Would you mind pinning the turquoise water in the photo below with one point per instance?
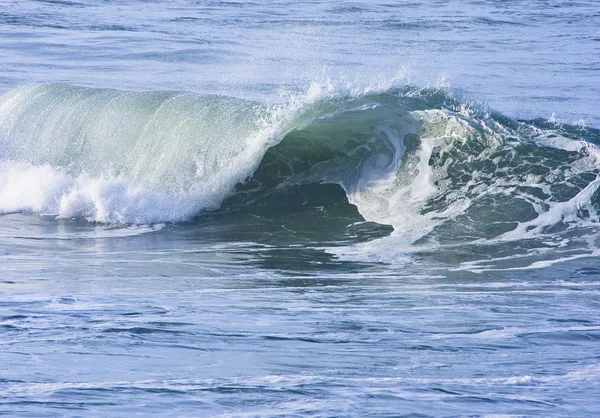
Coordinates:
(299, 209)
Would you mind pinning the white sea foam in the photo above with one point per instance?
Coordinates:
(49, 191)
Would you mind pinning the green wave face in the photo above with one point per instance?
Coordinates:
(167, 141)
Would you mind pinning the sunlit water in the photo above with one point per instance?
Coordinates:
(134, 280)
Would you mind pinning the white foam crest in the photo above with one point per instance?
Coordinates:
(50, 191)
(324, 88)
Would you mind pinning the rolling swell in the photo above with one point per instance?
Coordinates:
(439, 171)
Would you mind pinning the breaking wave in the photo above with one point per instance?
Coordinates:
(439, 171)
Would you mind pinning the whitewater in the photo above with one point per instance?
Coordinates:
(320, 209)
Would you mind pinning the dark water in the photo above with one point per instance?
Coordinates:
(299, 209)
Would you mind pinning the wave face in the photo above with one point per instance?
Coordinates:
(111, 156)
(440, 172)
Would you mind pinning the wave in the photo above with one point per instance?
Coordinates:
(438, 170)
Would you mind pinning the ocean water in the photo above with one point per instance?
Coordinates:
(319, 208)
